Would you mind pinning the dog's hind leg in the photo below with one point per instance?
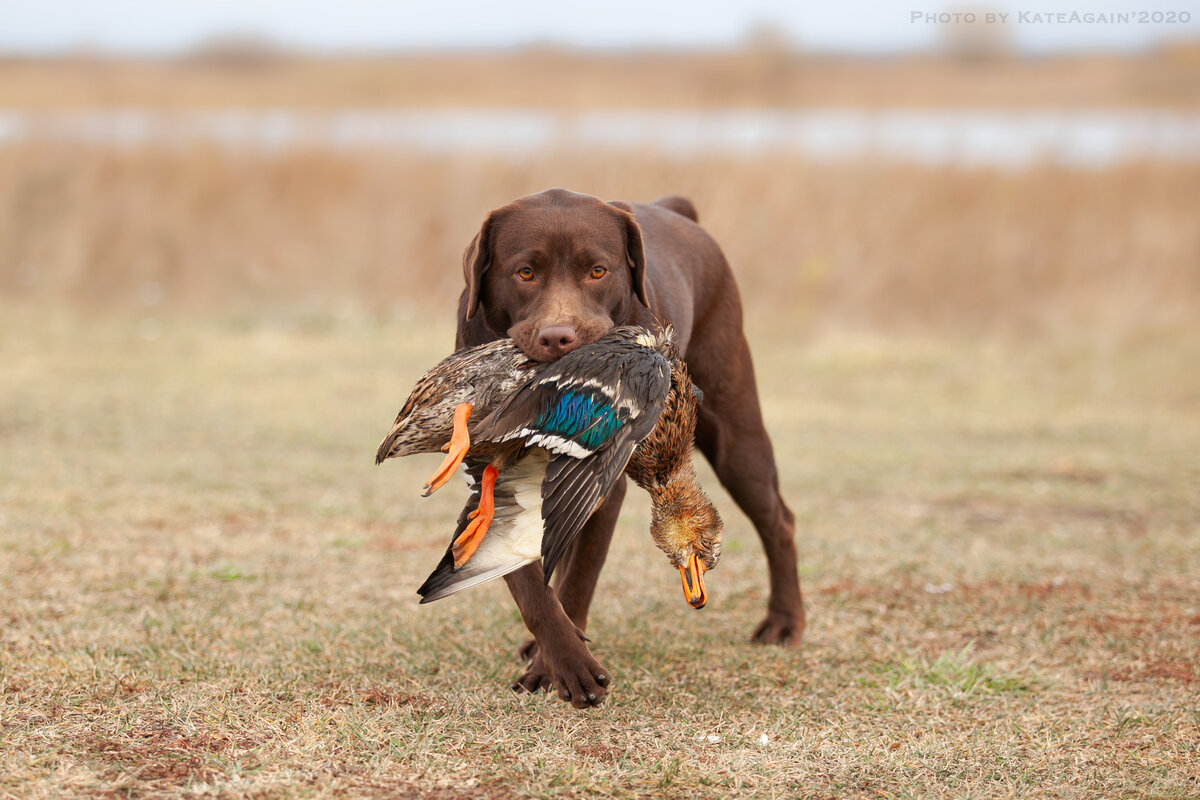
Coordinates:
(731, 435)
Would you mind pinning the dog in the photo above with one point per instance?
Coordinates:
(557, 269)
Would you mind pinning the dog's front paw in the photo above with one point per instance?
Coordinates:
(783, 628)
(579, 678)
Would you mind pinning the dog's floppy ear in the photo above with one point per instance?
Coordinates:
(476, 260)
(633, 250)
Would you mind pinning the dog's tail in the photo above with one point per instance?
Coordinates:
(680, 205)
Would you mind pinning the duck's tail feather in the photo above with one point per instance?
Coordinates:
(514, 538)
(445, 580)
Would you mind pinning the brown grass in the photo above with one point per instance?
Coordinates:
(868, 246)
(570, 80)
(209, 588)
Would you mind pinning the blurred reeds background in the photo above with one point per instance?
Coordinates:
(766, 72)
(867, 245)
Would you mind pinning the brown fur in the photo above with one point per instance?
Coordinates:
(660, 266)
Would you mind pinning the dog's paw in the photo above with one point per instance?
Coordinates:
(535, 679)
(528, 651)
(780, 628)
(579, 679)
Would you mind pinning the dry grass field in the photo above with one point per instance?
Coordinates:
(753, 76)
(209, 588)
(983, 393)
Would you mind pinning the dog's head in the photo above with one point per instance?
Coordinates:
(555, 270)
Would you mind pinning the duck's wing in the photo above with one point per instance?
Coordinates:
(584, 402)
(514, 538)
(589, 409)
(572, 491)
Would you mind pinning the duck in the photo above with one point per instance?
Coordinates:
(548, 442)
(588, 425)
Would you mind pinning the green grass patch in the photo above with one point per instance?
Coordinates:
(955, 672)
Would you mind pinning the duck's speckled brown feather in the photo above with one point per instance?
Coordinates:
(483, 376)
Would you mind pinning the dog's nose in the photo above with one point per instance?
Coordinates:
(557, 340)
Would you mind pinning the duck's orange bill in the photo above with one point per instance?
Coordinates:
(693, 582)
(460, 443)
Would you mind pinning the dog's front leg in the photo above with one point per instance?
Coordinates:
(575, 580)
(562, 657)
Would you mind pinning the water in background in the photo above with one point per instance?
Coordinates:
(1090, 139)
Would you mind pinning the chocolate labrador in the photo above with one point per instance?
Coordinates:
(557, 269)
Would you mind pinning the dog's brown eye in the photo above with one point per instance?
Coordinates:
(599, 271)
(525, 273)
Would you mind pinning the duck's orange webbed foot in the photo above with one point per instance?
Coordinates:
(460, 443)
(481, 519)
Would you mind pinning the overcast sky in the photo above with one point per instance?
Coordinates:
(161, 26)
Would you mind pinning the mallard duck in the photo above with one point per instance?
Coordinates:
(546, 455)
(588, 410)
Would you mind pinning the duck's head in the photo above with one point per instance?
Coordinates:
(687, 527)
